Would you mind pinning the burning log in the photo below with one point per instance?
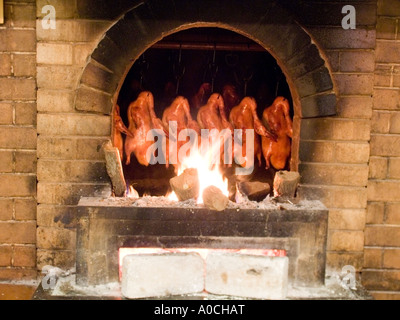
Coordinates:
(114, 168)
(285, 183)
(254, 190)
(186, 186)
(214, 199)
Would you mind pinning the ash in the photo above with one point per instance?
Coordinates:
(332, 290)
(242, 202)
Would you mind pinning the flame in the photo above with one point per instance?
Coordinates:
(172, 196)
(208, 173)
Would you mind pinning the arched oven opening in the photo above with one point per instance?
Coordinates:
(194, 64)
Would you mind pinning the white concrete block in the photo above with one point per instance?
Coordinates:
(158, 275)
(249, 276)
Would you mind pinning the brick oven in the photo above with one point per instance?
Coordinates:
(60, 88)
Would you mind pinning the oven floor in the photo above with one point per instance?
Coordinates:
(66, 289)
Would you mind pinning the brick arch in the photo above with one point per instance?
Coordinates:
(268, 24)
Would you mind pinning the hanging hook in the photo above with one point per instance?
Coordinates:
(213, 68)
(178, 69)
(144, 66)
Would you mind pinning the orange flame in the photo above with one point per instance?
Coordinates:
(208, 173)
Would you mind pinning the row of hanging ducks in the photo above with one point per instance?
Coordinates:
(217, 111)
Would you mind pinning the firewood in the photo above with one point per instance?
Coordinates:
(285, 183)
(114, 169)
(254, 190)
(214, 199)
(186, 186)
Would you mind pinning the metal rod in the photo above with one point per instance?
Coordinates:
(208, 46)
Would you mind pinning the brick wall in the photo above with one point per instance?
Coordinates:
(334, 151)
(18, 141)
(351, 161)
(381, 273)
(334, 155)
(70, 161)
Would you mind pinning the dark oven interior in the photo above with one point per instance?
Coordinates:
(180, 64)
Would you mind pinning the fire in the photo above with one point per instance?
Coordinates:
(209, 173)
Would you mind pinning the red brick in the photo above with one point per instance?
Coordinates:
(6, 113)
(65, 258)
(17, 185)
(389, 8)
(335, 196)
(55, 100)
(58, 77)
(24, 256)
(25, 113)
(395, 123)
(6, 161)
(375, 212)
(56, 216)
(378, 167)
(347, 219)
(352, 152)
(357, 61)
(382, 236)
(25, 209)
(24, 15)
(373, 258)
(396, 76)
(14, 40)
(387, 99)
(18, 138)
(328, 174)
(394, 168)
(74, 124)
(5, 64)
(5, 255)
(64, 8)
(385, 145)
(73, 30)
(25, 161)
(56, 238)
(70, 148)
(69, 194)
(17, 89)
(391, 258)
(339, 240)
(337, 260)
(18, 232)
(18, 274)
(393, 213)
(24, 65)
(384, 190)
(54, 53)
(338, 38)
(386, 28)
(383, 75)
(380, 122)
(354, 84)
(381, 280)
(387, 51)
(71, 171)
(385, 295)
(6, 209)
(359, 107)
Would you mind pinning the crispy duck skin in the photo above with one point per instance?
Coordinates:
(244, 116)
(277, 118)
(142, 118)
